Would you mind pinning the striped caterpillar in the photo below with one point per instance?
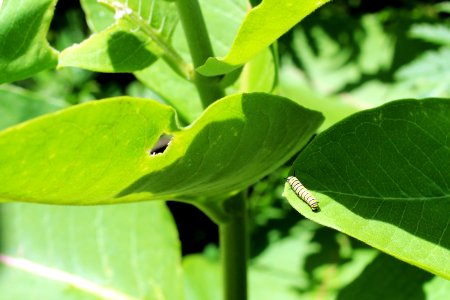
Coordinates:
(303, 193)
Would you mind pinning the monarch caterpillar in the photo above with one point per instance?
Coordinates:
(302, 192)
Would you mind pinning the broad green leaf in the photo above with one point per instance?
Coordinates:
(99, 152)
(262, 26)
(383, 177)
(18, 105)
(24, 49)
(99, 252)
(139, 35)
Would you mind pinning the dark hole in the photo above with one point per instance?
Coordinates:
(161, 144)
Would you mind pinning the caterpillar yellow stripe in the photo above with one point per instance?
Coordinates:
(302, 192)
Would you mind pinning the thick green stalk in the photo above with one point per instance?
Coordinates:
(234, 247)
(200, 48)
(231, 218)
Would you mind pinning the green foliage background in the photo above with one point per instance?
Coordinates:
(339, 60)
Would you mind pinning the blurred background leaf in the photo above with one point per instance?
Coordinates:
(311, 262)
(106, 252)
(364, 55)
(18, 105)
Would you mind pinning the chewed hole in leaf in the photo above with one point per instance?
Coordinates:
(161, 144)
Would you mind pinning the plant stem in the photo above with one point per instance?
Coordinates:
(232, 222)
(234, 245)
(200, 48)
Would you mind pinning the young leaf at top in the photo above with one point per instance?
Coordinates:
(24, 49)
(137, 36)
(382, 176)
(262, 26)
(100, 152)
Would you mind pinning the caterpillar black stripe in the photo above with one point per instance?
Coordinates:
(302, 192)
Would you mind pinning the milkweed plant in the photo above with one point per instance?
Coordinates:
(83, 186)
